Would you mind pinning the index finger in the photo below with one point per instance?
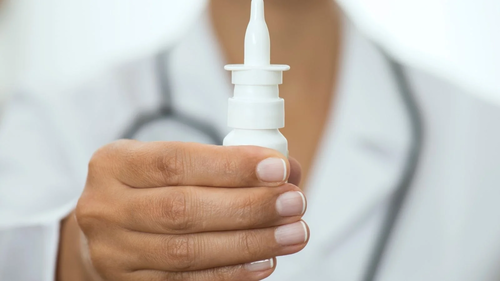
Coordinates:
(158, 164)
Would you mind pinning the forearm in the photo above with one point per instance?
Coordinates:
(73, 263)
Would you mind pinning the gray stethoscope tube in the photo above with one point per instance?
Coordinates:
(167, 111)
(404, 183)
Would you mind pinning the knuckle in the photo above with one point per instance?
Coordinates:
(251, 244)
(244, 170)
(223, 274)
(180, 252)
(175, 210)
(85, 216)
(228, 166)
(102, 159)
(246, 210)
(229, 273)
(105, 152)
(100, 261)
(98, 159)
(92, 213)
(171, 164)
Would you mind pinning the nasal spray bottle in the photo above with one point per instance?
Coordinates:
(256, 112)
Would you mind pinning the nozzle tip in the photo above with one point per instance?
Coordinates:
(257, 42)
(257, 11)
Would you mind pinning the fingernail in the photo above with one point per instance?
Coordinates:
(272, 170)
(260, 265)
(291, 204)
(291, 234)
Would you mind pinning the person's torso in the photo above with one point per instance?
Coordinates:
(447, 227)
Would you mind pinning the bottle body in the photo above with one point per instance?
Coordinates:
(271, 138)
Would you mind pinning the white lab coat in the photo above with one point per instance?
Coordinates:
(448, 228)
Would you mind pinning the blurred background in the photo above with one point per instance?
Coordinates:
(56, 42)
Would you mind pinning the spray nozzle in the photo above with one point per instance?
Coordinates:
(257, 69)
(256, 111)
(257, 41)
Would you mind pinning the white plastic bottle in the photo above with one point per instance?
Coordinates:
(256, 112)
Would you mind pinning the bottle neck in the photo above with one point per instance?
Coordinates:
(256, 92)
(262, 131)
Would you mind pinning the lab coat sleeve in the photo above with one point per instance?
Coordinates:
(29, 253)
(46, 141)
(33, 165)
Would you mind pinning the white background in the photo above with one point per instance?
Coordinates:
(49, 42)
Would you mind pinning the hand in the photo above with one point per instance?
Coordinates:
(179, 211)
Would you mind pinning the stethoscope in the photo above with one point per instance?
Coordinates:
(183, 122)
(197, 129)
(413, 158)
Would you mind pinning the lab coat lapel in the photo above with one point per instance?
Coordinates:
(363, 152)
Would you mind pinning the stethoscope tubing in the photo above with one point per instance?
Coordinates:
(167, 110)
(413, 159)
